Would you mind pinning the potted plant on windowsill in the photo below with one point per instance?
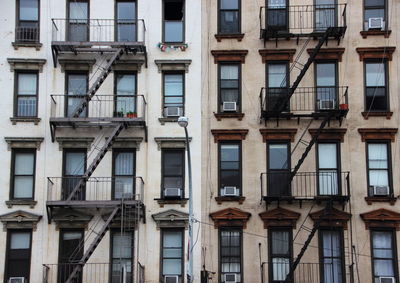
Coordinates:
(343, 106)
(131, 114)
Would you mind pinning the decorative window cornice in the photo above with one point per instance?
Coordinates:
(230, 217)
(278, 134)
(378, 134)
(72, 142)
(26, 64)
(129, 64)
(76, 64)
(376, 52)
(328, 53)
(329, 134)
(127, 142)
(171, 218)
(276, 55)
(331, 217)
(229, 135)
(381, 218)
(171, 142)
(173, 65)
(229, 55)
(279, 217)
(71, 219)
(25, 142)
(20, 220)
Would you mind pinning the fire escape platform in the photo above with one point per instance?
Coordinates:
(338, 114)
(96, 122)
(272, 33)
(318, 199)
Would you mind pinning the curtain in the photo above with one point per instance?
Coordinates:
(124, 163)
(327, 159)
(383, 253)
(378, 165)
(172, 253)
(331, 244)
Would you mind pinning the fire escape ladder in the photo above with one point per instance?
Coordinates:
(96, 85)
(117, 130)
(79, 266)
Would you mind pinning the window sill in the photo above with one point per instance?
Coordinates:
(220, 200)
(36, 45)
(390, 200)
(15, 120)
(386, 114)
(367, 33)
(168, 120)
(29, 202)
(221, 116)
(237, 36)
(163, 201)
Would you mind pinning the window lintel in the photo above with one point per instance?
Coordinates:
(376, 52)
(377, 134)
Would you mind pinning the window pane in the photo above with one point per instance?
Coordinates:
(378, 178)
(332, 270)
(20, 241)
(26, 106)
(172, 266)
(369, 3)
(327, 155)
(173, 31)
(276, 3)
(122, 245)
(280, 242)
(280, 268)
(70, 236)
(324, 2)
(173, 164)
(230, 152)
(28, 10)
(77, 84)
(278, 156)
(173, 85)
(229, 72)
(23, 187)
(126, 84)
(326, 74)
(331, 244)
(229, 4)
(78, 10)
(172, 239)
(124, 163)
(375, 74)
(123, 187)
(328, 182)
(229, 22)
(24, 163)
(74, 163)
(383, 267)
(126, 10)
(277, 75)
(377, 156)
(27, 84)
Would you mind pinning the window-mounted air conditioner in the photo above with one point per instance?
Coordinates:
(326, 104)
(376, 23)
(386, 280)
(172, 192)
(380, 190)
(229, 191)
(230, 278)
(171, 279)
(173, 111)
(229, 106)
(16, 280)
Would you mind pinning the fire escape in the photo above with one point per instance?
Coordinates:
(108, 116)
(310, 23)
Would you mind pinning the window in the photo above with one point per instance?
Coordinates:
(174, 90)
(230, 253)
(375, 9)
(26, 94)
(331, 256)
(18, 260)
(126, 20)
(328, 169)
(326, 82)
(376, 90)
(76, 88)
(174, 24)
(23, 174)
(124, 174)
(229, 87)
(383, 250)
(325, 14)
(277, 86)
(125, 92)
(229, 16)
(73, 169)
(278, 169)
(172, 253)
(27, 23)
(173, 170)
(70, 250)
(121, 256)
(277, 15)
(78, 20)
(230, 166)
(280, 253)
(379, 169)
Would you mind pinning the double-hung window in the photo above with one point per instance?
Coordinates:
(121, 256)
(331, 256)
(174, 23)
(23, 173)
(277, 86)
(379, 169)
(26, 93)
(18, 254)
(325, 14)
(230, 254)
(173, 172)
(280, 253)
(174, 90)
(76, 88)
(78, 20)
(124, 174)
(172, 255)
(376, 86)
(70, 250)
(375, 14)
(126, 20)
(230, 177)
(125, 94)
(277, 15)
(328, 169)
(229, 87)
(383, 252)
(27, 24)
(73, 169)
(278, 169)
(326, 85)
(229, 17)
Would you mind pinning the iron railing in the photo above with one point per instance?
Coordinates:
(301, 19)
(98, 30)
(27, 34)
(100, 106)
(305, 185)
(304, 99)
(96, 188)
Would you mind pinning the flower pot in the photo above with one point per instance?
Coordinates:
(344, 106)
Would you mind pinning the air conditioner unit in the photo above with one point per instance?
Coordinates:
(230, 192)
(172, 111)
(172, 192)
(386, 280)
(171, 279)
(376, 23)
(324, 104)
(230, 278)
(380, 190)
(229, 106)
(16, 280)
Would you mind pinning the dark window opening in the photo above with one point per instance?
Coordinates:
(229, 88)
(78, 21)
(70, 251)
(278, 87)
(375, 15)
(125, 95)
(76, 89)
(279, 169)
(173, 21)
(277, 15)
(326, 83)
(124, 174)
(280, 254)
(126, 21)
(376, 90)
(121, 256)
(73, 169)
(173, 171)
(18, 254)
(230, 169)
(230, 260)
(229, 16)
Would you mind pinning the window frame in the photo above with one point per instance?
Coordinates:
(67, 35)
(66, 177)
(287, 26)
(338, 164)
(235, 229)
(289, 161)
(336, 86)
(18, 22)
(59, 258)
(182, 231)
(385, 17)
(239, 10)
(387, 92)
(116, 19)
(182, 152)
(14, 152)
(270, 254)
(16, 92)
(240, 185)
(67, 96)
(115, 87)
(220, 101)
(115, 152)
(8, 249)
(114, 231)
(182, 73)
(267, 79)
(183, 22)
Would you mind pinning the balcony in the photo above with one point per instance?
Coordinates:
(325, 185)
(282, 21)
(305, 102)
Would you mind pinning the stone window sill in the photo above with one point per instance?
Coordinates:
(386, 114)
(390, 200)
(36, 45)
(168, 120)
(237, 36)
(163, 201)
(239, 200)
(221, 116)
(15, 120)
(367, 33)
(29, 202)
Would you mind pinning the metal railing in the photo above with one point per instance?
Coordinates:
(100, 106)
(302, 19)
(305, 185)
(96, 188)
(98, 30)
(304, 99)
(27, 34)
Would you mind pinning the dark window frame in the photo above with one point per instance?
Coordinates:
(335, 14)
(116, 75)
(114, 231)
(387, 93)
(385, 17)
(182, 152)
(182, 231)
(267, 79)
(220, 11)
(338, 163)
(18, 23)
(220, 101)
(183, 22)
(389, 160)
(114, 155)
(14, 152)
(67, 23)
(66, 177)
(289, 161)
(270, 254)
(67, 96)
(116, 18)
(235, 229)
(281, 28)
(66, 265)
(336, 86)
(16, 91)
(8, 250)
(182, 73)
(240, 185)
